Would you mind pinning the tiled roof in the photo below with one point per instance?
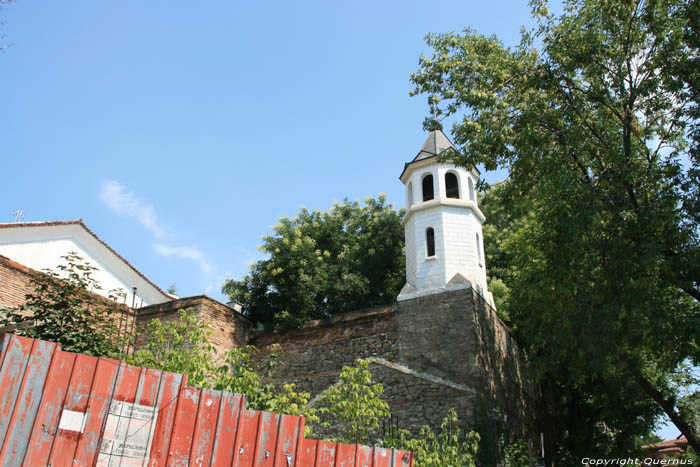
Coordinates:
(667, 448)
(80, 223)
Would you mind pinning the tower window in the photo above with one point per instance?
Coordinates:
(471, 190)
(409, 190)
(428, 191)
(430, 241)
(451, 185)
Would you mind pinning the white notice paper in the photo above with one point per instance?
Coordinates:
(128, 434)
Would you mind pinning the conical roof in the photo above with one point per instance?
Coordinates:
(434, 145)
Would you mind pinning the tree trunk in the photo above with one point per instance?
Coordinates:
(669, 408)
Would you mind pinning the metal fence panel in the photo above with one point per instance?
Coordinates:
(63, 409)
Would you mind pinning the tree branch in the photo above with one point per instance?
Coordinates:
(669, 407)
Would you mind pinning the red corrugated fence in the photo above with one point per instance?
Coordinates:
(64, 409)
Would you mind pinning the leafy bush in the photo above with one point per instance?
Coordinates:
(182, 346)
(354, 407)
(63, 308)
(449, 448)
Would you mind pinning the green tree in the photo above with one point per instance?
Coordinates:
(182, 346)
(64, 308)
(516, 455)
(449, 448)
(354, 407)
(500, 238)
(592, 114)
(178, 346)
(323, 263)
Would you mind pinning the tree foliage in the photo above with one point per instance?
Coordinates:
(354, 406)
(323, 263)
(64, 308)
(449, 448)
(178, 346)
(594, 114)
(182, 346)
(350, 410)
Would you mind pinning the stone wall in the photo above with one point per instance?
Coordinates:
(432, 353)
(507, 387)
(229, 329)
(314, 354)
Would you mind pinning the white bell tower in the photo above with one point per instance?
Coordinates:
(444, 239)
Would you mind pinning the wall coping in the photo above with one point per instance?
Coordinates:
(345, 317)
(190, 301)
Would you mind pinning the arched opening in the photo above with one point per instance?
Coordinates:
(430, 242)
(451, 185)
(471, 190)
(409, 194)
(428, 190)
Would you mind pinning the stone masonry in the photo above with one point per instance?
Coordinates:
(431, 353)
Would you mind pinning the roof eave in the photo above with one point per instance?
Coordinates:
(79, 222)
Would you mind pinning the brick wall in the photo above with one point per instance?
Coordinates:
(229, 329)
(14, 282)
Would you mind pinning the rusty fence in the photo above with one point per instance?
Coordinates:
(64, 409)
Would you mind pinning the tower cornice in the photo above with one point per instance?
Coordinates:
(409, 167)
(448, 202)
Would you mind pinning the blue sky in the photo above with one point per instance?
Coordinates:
(181, 131)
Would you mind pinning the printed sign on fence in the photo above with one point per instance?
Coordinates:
(128, 433)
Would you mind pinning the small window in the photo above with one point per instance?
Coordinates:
(471, 190)
(478, 250)
(409, 193)
(451, 185)
(430, 241)
(428, 191)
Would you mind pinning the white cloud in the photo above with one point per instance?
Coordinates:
(126, 203)
(186, 252)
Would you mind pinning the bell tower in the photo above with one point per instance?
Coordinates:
(444, 239)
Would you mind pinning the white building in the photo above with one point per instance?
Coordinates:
(444, 239)
(40, 246)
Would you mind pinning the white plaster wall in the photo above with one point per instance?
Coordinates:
(429, 272)
(455, 233)
(41, 248)
(461, 227)
(410, 236)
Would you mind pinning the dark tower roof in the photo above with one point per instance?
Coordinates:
(434, 145)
